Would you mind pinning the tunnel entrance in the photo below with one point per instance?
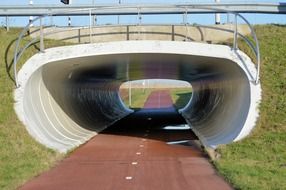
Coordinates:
(68, 95)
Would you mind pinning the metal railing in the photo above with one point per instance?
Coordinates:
(254, 46)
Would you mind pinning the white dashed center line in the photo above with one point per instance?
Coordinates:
(128, 177)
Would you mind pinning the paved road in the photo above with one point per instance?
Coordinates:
(137, 153)
(159, 99)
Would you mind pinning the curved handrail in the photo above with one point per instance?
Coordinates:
(17, 53)
(257, 52)
(255, 47)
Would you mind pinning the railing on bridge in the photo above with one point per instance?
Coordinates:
(236, 34)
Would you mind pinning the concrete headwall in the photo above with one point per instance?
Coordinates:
(67, 94)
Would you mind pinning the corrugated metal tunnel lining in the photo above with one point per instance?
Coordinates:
(73, 92)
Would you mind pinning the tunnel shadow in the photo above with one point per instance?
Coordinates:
(162, 123)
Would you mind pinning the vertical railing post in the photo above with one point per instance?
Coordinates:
(90, 23)
(235, 32)
(130, 94)
(118, 17)
(94, 16)
(51, 20)
(217, 15)
(186, 23)
(7, 23)
(139, 23)
(129, 86)
(42, 45)
(94, 20)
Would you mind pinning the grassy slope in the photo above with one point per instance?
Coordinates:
(181, 96)
(259, 161)
(20, 156)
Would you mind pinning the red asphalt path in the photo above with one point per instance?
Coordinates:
(159, 99)
(133, 159)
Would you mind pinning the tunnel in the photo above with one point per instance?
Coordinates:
(67, 95)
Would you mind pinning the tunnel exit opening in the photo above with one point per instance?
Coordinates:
(156, 103)
(155, 94)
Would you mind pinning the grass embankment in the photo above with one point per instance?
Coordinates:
(180, 96)
(259, 161)
(21, 157)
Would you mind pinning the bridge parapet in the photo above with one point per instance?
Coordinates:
(165, 32)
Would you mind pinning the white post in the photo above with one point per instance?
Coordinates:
(69, 18)
(94, 20)
(31, 17)
(139, 22)
(90, 29)
(130, 94)
(118, 18)
(144, 85)
(217, 15)
(7, 23)
(235, 46)
(51, 20)
(129, 85)
(69, 21)
(185, 18)
(42, 46)
(186, 24)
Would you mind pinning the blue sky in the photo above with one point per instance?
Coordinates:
(201, 19)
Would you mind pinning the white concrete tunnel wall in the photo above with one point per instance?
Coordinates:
(69, 94)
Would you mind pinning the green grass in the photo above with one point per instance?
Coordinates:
(181, 96)
(259, 161)
(21, 157)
